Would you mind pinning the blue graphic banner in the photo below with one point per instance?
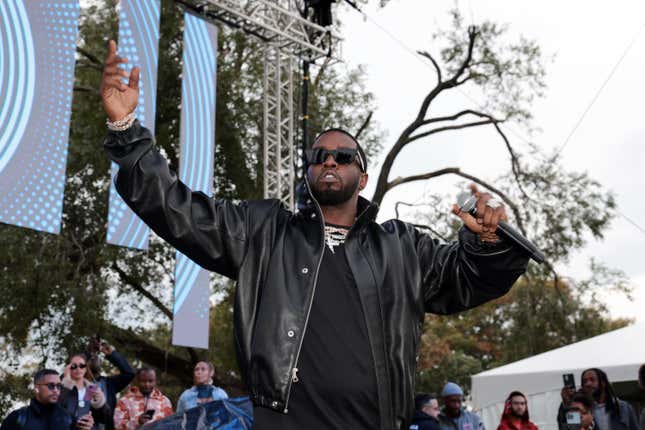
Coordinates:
(139, 43)
(197, 138)
(37, 59)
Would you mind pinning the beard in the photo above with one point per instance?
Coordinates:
(516, 414)
(327, 196)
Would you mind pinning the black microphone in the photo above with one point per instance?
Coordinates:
(468, 203)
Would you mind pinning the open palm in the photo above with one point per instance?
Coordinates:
(118, 98)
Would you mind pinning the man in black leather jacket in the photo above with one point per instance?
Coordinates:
(329, 305)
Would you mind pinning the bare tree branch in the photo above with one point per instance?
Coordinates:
(400, 181)
(364, 125)
(130, 281)
(422, 226)
(85, 89)
(88, 65)
(447, 128)
(94, 59)
(434, 63)
(458, 172)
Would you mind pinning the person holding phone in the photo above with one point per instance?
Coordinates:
(114, 383)
(80, 395)
(142, 404)
(203, 391)
(579, 415)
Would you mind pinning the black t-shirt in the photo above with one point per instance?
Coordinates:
(337, 383)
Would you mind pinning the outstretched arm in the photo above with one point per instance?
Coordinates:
(211, 232)
(478, 268)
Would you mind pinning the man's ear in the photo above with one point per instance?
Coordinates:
(362, 183)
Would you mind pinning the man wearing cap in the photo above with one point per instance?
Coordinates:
(329, 304)
(453, 416)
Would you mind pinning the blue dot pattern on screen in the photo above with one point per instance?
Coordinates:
(36, 104)
(198, 125)
(138, 42)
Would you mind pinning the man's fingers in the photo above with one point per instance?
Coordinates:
(468, 220)
(473, 189)
(134, 78)
(481, 204)
(111, 51)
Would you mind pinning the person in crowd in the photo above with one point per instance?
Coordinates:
(516, 413)
(80, 394)
(609, 412)
(426, 413)
(582, 404)
(641, 382)
(44, 412)
(203, 391)
(113, 384)
(142, 404)
(453, 416)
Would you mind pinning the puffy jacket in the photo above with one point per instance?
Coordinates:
(275, 255)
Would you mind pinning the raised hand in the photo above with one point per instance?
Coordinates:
(489, 213)
(118, 98)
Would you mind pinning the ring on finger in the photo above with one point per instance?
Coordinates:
(493, 203)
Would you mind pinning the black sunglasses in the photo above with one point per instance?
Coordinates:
(76, 366)
(341, 155)
(52, 386)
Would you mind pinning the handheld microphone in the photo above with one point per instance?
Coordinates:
(468, 203)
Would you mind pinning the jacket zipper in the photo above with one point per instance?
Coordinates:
(294, 370)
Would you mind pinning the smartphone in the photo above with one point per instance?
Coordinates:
(569, 381)
(89, 393)
(573, 417)
(150, 412)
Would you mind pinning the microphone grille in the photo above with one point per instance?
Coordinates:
(466, 201)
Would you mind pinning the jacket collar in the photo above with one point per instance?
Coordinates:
(366, 211)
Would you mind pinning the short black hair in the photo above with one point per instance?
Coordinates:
(145, 369)
(361, 153)
(582, 397)
(38, 376)
(422, 399)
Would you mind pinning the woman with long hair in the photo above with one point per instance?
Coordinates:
(80, 395)
(203, 391)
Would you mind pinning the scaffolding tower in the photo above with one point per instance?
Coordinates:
(288, 38)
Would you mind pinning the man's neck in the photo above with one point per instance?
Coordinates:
(343, 214)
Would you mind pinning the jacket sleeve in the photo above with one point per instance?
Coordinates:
(126, 373)
(464, 274)
(181, 403)
(210, 232)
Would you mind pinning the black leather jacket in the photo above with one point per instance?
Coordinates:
(275, 255)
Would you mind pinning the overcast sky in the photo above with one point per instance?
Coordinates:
(587, 39)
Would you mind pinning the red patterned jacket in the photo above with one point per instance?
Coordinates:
(130, 407)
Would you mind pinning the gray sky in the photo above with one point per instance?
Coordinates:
(586, 39)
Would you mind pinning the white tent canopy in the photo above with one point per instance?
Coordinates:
(619, 353)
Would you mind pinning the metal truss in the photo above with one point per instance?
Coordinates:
(279, 148)
(288, 37)
(277, 22)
